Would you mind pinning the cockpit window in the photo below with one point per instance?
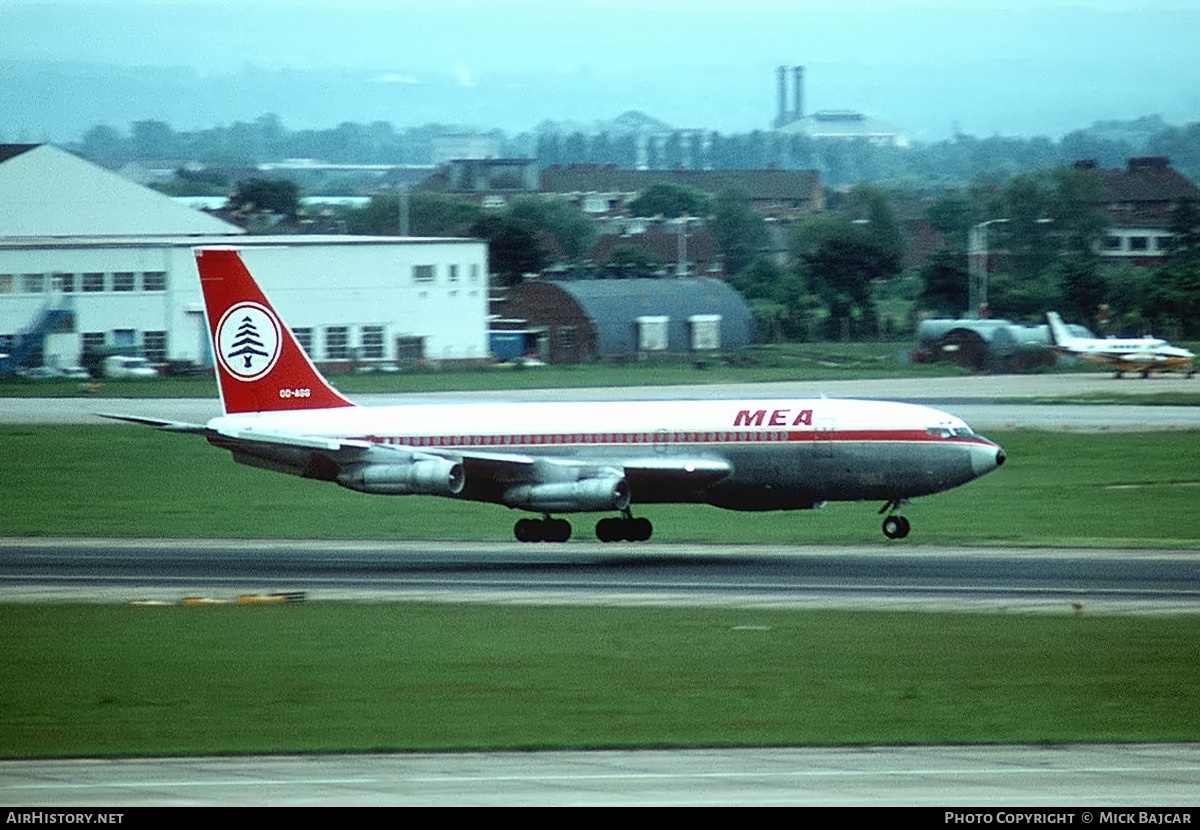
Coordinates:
(946, 431)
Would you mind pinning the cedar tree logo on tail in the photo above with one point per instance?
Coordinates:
(248, 338)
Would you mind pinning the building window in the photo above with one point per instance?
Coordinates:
(64, 283)
(124, 281)
(652, 334)
(154, 281)
(372, 342)
(453, 273)
(154, 346)
(304, 337)
(1139, 243)
(33, 283)
(566, 338)
(93, 341)
(474, 272)
(124, 338)
(93, 282)
(706, 332)
(6, 283)
(1112, 243)
(410, 349)
(337, 343)
(422, 273)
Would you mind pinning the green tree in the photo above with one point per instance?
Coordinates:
(514, 249)
(271, 195)
(952, 214)
(1075, 211)
(1184, 244)
(876, 217)
(631, 259)
(840, 259)
(1082, 288)
(570, 229)
(670, 200)
(1031, 248)
(738, 229)
(944, 283)
(1175, 295)
(429, 214)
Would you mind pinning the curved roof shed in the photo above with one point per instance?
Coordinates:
(605, 319)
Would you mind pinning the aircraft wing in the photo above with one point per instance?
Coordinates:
(563, 480)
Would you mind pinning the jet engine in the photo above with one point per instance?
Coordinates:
(424, 477)
(589, 494)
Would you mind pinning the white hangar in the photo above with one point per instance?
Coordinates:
(118, 259)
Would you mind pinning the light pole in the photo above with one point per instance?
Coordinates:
(977, 266)
(402, 208)
(681, 260)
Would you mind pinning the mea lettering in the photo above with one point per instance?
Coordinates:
(778, 418)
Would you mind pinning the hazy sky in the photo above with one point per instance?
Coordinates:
(1016, 67)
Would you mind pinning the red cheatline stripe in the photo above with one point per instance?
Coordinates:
(660, 438)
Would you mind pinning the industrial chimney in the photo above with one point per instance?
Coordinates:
(798, 93)
(782, 117)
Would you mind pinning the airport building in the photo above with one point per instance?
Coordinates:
(104, 265)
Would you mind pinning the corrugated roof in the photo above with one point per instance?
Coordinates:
(614, 305)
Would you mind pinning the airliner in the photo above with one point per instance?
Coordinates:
(555, 458)
(1142, 354)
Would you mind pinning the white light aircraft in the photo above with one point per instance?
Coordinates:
(561, 457)
(1139, 354)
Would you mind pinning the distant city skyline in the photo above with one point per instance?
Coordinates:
(930, 67)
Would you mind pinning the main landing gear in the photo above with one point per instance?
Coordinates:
(895, 526)
(623, 528)
(542, 530)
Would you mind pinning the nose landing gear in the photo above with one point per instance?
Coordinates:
(895, 526)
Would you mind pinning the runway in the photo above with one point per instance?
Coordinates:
(973, 580)
(1092, 777)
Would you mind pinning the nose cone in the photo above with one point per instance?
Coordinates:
(986, 457)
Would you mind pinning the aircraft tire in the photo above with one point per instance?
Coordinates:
(624, 530)
(542, 530)
(526, 530)
(640, 530)
(896, 527)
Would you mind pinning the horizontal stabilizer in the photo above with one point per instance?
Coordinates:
(159, 423)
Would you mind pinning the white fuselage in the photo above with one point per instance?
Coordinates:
(774, 453)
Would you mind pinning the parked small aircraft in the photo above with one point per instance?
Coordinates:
(1139, 354)
(563, 457)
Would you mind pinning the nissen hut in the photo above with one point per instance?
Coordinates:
(580, 321)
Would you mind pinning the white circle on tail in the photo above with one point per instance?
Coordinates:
(248, 341)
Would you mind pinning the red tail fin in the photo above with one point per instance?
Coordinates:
(260, 366)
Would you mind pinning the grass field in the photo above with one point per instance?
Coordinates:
(114, 680)
(1068, 489)
(103, 680)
